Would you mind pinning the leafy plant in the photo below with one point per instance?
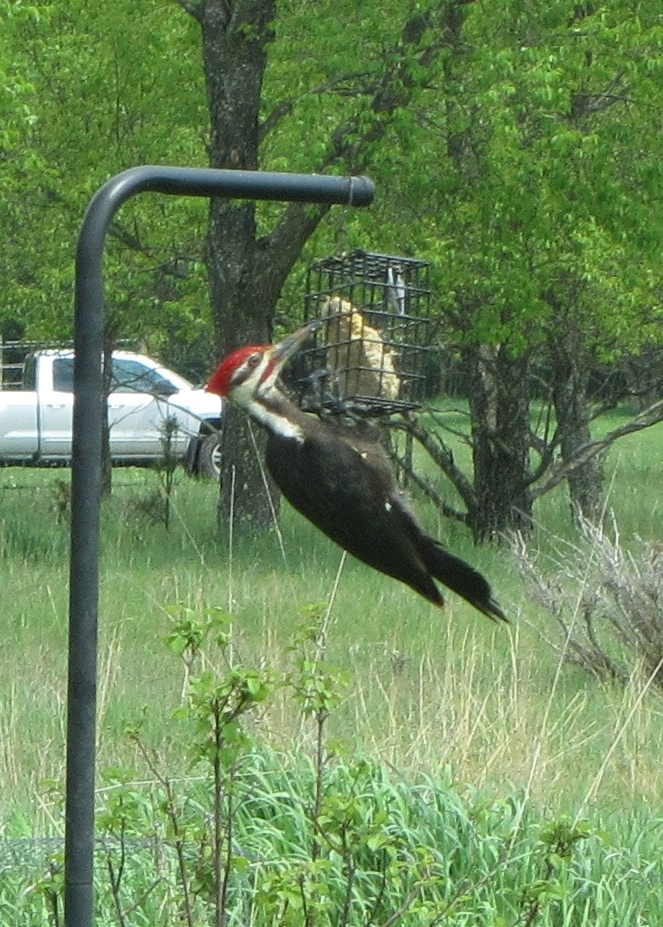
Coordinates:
(168, 464)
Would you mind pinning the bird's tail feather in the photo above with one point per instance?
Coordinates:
(461, 578)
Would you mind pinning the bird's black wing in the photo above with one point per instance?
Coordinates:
(346, 488)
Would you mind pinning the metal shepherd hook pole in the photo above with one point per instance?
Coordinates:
(86, 465)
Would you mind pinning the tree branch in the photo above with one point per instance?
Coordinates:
(336, 85)
(442, 456)
(426, 488)
(351, 142)
(560, 471)
(584, 104)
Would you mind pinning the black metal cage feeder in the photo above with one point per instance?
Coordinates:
(368, 355)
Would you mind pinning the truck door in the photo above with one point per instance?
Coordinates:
(137, 408)
(56, 410)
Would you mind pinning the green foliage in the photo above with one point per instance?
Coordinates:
(321, 840)
(62, 144)
(526, 177)
(316, 685)
(527, 164)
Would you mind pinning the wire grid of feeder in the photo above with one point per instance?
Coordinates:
(368, 356)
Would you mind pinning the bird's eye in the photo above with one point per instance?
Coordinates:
(253, 360)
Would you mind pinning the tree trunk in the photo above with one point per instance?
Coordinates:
(234, 41)
(242, 472)
(246, 273)
(570, 370)
(499, 384)
(240, 318)
(499, 408)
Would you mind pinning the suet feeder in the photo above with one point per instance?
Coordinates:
(368, 355)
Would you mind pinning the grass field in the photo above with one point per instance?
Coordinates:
(446, 695)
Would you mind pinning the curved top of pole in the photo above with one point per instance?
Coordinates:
(194, 181)
(212, 182)
(260, 185)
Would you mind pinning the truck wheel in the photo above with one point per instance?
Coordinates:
(209, 457)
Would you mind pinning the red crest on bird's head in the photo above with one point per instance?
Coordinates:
(248, 359)
(221, 379)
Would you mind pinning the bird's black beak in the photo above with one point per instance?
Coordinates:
(282, 351)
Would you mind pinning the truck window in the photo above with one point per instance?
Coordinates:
(130, 376)
(63, 375)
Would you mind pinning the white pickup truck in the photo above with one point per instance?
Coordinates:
(36, 415)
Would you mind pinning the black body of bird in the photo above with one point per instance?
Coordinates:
(342, 483)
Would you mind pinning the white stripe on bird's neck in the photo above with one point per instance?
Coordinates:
(273, 411)
(276, 422)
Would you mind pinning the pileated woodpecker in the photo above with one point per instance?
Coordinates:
(340, 482)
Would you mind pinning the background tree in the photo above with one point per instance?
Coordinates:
(518, 149)
(543, 222)
(248, 264)
(93, 102)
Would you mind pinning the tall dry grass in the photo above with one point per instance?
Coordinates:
(429, 691)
